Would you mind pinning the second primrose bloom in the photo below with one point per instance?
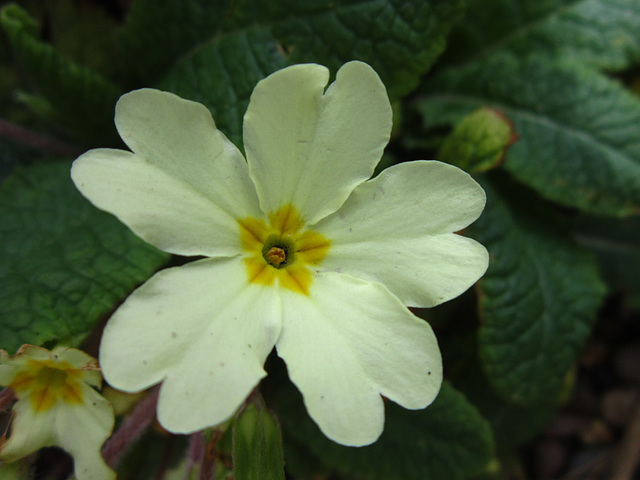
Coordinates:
(57, 406)
(305, 252)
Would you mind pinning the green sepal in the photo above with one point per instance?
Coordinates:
(257, 445)
(478, 141)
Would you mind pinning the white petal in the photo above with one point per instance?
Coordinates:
(74, 357)
(311, 149)
(396, 229)
(11, 366)
(184, 187)
(81, 360)
(347, 344)
(201, 326)
(81, 431)
(8, 370)
(30, 431)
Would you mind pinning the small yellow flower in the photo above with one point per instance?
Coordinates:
(305, 252)
(57, 406)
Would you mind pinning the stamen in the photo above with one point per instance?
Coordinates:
(276, 256)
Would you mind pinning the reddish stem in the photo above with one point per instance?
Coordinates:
(131, 429)
(6, 397)
(35, 140)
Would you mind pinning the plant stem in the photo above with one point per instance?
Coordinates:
(35, 140)
(131, 429)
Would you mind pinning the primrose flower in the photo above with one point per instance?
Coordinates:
(57, 406)
(304, 252)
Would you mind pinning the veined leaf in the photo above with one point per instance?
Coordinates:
(578, 141)
(538, 299)
(447, 441)
(215, 52)
(65, 263)
(156, 34)
(599, 33)
(223, 73)
(399, 38)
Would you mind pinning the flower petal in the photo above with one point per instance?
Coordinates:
(396, 229)
(8, 370)
(185, 185)
(81, 431)
(204, 329)
(347, 344)
(309, 149)
(30, 431)
(82, 361)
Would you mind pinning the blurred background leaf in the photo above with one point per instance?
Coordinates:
(617, 247)
(75, 98)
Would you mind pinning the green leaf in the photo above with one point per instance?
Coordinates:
(76, 98)
(215, 52)
(399, 38)
(599, 33)
(512, 424)
(478, 141)
(65, 263)
(223, 73)
(615, 243)
(257, 446)
(447, 441)
(13, 154)
(157, 34)
(578, 141)
(82, 31)
(538, 299)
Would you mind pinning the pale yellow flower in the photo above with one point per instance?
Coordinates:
(57, 407)
(304, 252)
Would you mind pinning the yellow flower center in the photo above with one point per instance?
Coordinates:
(46, 382)
(282, 250)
